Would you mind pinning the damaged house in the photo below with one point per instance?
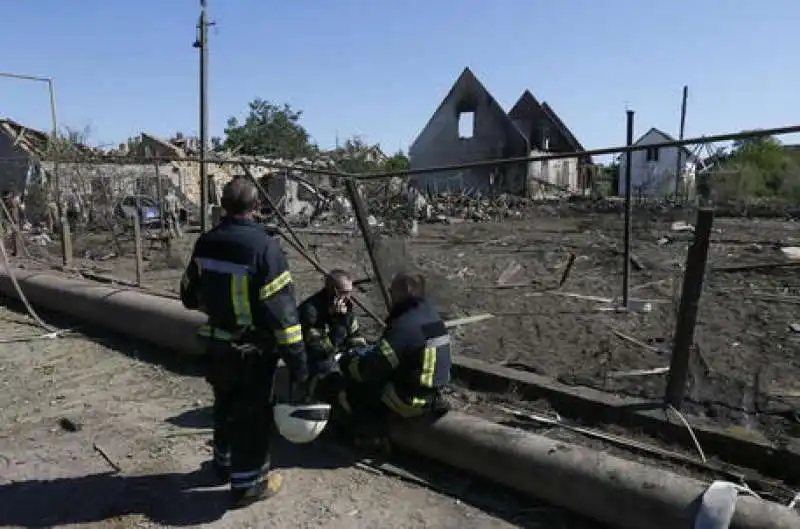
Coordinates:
(471, 126)
(291, 191)
(94, 180)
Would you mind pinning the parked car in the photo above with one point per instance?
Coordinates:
(142, 207)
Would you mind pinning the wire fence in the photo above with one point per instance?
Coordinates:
(535, 242)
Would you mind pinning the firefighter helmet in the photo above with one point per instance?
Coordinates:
(301, 423)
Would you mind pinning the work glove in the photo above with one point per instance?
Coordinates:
(340, 305)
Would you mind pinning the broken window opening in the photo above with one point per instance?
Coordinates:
(652, 154)
(466, 125)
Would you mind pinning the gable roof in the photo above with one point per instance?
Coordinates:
(571, 139)
(467, 83)
(666, 137)
(528, 107)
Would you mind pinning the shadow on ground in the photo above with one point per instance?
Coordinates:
(170, 499)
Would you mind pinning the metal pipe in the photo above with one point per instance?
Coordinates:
(593, 484)
(51, 88)
(760, 133)
(679, 165)
(626, 267)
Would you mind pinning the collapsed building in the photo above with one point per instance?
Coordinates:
(95, 180)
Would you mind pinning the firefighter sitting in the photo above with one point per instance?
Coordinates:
(402, 375)
(329, 327)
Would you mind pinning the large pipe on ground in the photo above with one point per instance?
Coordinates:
(620, 493)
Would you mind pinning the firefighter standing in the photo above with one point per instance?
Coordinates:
(329, 327)
(239, 277)
(405, 371)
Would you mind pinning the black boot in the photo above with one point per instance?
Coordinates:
(263, 490)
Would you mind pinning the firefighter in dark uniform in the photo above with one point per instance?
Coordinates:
(239, 277)
(405, 371)
(329, 327)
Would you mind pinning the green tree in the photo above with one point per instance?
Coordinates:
(269, 130)
(358, 156)
(758, 167)
(397, 162)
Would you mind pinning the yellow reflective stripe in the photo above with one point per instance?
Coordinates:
(428, 367)
(289, 335)
(245, 299)
(275, 286)
(388, 352)
(353, 369)
(240, 294)
(401, 407)
(358, 340)
(353, 326)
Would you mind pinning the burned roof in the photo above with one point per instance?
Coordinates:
(34, 142)
(528, 108)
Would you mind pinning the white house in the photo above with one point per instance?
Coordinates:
(653, 170)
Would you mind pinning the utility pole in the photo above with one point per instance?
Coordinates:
(679, 165)
(202, 44)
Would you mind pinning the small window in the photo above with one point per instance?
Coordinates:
(466, 125)
(652, 154)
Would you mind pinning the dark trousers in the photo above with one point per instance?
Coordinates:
(242, 378)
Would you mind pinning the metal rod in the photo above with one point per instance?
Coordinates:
(160, 194)
(760, 133)
(265, 161)
(679, 165)
(203, 45)
(369, 241)
(626, 267)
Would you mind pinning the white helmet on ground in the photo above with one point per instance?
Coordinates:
(301, 423)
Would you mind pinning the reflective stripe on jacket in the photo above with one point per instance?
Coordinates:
(238, 276)
(411, 361)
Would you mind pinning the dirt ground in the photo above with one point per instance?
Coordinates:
(748, 365)
(68, 404)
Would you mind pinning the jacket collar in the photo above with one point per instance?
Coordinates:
(401, 308)
(241, 221)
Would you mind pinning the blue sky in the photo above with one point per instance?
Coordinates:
(380, 68)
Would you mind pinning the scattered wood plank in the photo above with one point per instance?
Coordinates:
(639, 372)
(755, 266)
(467, 320)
